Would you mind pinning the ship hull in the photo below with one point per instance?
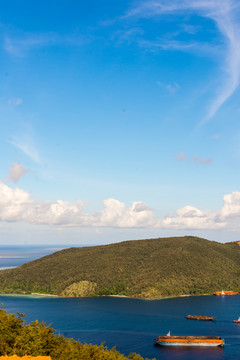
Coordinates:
(199, 317)
(189, 341)
(164, 343)
(226, 293)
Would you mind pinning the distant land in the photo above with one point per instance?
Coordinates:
(147, 269)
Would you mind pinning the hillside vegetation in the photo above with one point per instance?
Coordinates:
(144, 268)
(38, 339)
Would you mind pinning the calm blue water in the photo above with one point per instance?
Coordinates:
(16, 256)
(132, 324)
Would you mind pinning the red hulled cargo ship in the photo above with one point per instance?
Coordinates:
(225, 293)
(168, 340)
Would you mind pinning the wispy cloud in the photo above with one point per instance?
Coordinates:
(10, 102)
(16, 171)
(171, 88)
(181, 156)
(177, 45)
(27, 147)
(216, 136)
(225, 15)
(127, 35)
(190, 29)
(204, 161)
(15, 101)
(20, 45)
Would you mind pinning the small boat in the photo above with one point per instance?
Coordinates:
(237, 321)
(169, 340)
(225, 293)
(199, 317)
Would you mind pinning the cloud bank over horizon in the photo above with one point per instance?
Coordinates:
(17, 205)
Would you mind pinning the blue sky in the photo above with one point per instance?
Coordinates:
(119, 120)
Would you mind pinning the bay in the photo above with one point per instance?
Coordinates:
(131, 324)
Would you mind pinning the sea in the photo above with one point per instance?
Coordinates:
(132, 324)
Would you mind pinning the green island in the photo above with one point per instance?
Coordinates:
(147, 269)
(38, 339)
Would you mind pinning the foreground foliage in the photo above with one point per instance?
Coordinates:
(25, 357)
(38, 339)
(145, 268)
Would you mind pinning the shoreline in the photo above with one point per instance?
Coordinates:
(40, 294)
(102, 296)
(160, 298)
(30, 295)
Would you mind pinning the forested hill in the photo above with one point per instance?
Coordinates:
(143, 268)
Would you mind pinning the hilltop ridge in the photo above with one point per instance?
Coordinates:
(150, 268)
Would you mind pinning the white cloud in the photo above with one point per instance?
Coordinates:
(16, 172)
(231, 208)
(115, 213)
(190, 217)
(225, 15)
(13, 203)
(60, 213)
(17, 205)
